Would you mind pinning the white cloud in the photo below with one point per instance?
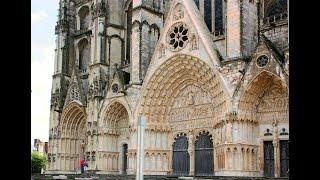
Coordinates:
(38, 16)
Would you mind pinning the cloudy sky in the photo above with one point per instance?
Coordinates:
(43, 19)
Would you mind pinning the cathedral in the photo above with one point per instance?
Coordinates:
(210, 78)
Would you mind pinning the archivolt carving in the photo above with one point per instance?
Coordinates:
(170, 87)
(116, 116)
(73, 119)
(265, 99)
(71, 135)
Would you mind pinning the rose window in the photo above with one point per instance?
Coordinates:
(262, 61)
(178, 36)
(115, 88)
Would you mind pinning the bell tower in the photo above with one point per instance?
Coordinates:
(241, 28)
(63, 61)
(147, 20)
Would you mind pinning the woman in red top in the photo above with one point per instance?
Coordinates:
(82, 164)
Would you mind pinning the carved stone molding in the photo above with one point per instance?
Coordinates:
(178, 12)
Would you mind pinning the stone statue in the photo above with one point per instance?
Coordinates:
(190, 98)
(179, 14)
(194, 43)
(101, 27)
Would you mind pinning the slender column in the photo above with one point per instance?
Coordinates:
(250, 154)
(120, 160)
(215, 159)
(101, 40)
(191, 154)
(275, 143)
(276, 157)
(261, 157)
(140, 149)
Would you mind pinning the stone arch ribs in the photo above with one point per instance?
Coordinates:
(72, 116)
(72, 127)
(169, 80)
(114, 126)
(114, 113)
(264, 85)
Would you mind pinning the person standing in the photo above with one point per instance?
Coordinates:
(85, 168)
(82, 164)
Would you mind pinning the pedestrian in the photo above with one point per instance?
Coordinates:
(85, 166)
(82, 164)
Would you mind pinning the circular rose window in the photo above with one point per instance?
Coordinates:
(177, 36)
(262, 61)
(115, 88)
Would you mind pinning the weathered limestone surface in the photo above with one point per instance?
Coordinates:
(230, 87)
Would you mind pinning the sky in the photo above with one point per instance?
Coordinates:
(43, 20)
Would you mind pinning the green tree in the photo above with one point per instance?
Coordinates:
(38, 161)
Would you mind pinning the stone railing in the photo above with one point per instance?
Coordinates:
(275, 18)
(81, 31)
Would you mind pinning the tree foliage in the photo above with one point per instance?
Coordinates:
(38, 161)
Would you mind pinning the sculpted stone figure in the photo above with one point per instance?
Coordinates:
(184, 69)
(179, 14)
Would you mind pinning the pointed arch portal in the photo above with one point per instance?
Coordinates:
(115, 142)
(72, 138)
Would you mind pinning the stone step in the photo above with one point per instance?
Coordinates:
(146, 177)
(60, 177)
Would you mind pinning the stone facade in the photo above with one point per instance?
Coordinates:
(117, 61)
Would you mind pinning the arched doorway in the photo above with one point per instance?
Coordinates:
(115, 140)
(268, 159)
(266, 100)
(181, 95)
(204, 155)
(124, 158)
(180, 156)
(284, 158)
(72, 138)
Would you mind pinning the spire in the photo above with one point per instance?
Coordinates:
(63, 20)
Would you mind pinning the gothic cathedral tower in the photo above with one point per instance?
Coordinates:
(210, 76)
